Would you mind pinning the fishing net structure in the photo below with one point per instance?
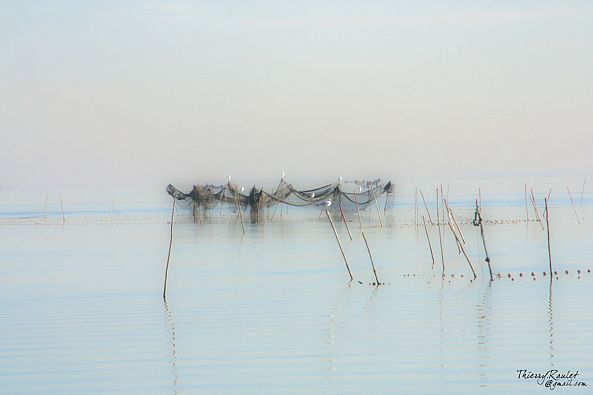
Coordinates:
(348, 196)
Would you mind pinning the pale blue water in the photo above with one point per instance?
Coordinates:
(273, 312)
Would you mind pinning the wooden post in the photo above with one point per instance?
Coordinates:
(239, 208)
(526, 206)
(479, 219)
(62, 205)
(426, 207)
(45, 208)
(377, 205)
(371, 256)
(573, 207)
(429, 244)
(169, 253)
(344, 219)
(534, 202)
(440, 234)
(339, 244)
(452, 218)
(415, 205)
(463, 250)
(548, 231)
(583, 190)
(357, 210)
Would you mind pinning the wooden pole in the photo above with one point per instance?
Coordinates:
(450, 220)
(415, 205)
(357, 210)
(45, 208)
(443, 208)
(573, 207)
(440, 234)
(339, 244)
(169, 253)
(463, 250)
(429, 244)
(526, 206)
(583, 190)
(534, 202)
(479, 215)
(62, 205)
(239, 208)
(452, 217)
(548, 231)
(426, 207)
(345, 223)
(377, 205)
(371, 256)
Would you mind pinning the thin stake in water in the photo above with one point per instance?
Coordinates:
(548, 231)
(478, 222)
(526, 206)
(169, 253)
(45, 208)
(429, 244)
(573, 207)
(357, 210)
(583, 190)
(426, 207)
(463, 250)
(345, 223)
(533, 201)
(371, 256)
(339, 244)
(440, 234)
(62, 205)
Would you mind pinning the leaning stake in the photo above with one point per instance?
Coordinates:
(573, 207)
(63, 217)
(440, 234)
(426, 207)
(169, 253)
(371, 256)
(358, 211)
(339, 244)
(345, 223)
(239, 209)
(462, 250)
(428, 238)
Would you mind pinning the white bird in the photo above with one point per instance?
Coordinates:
(242, 189)
(283, 174)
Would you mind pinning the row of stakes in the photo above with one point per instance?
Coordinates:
(452, 224)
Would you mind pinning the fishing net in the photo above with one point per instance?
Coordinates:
(334, 196)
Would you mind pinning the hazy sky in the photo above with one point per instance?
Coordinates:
(110, 92)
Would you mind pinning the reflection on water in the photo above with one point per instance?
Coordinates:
(170, 322)
(484, 311)
(551, 324)
(270, 312)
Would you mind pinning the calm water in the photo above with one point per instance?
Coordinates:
(273, 312)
